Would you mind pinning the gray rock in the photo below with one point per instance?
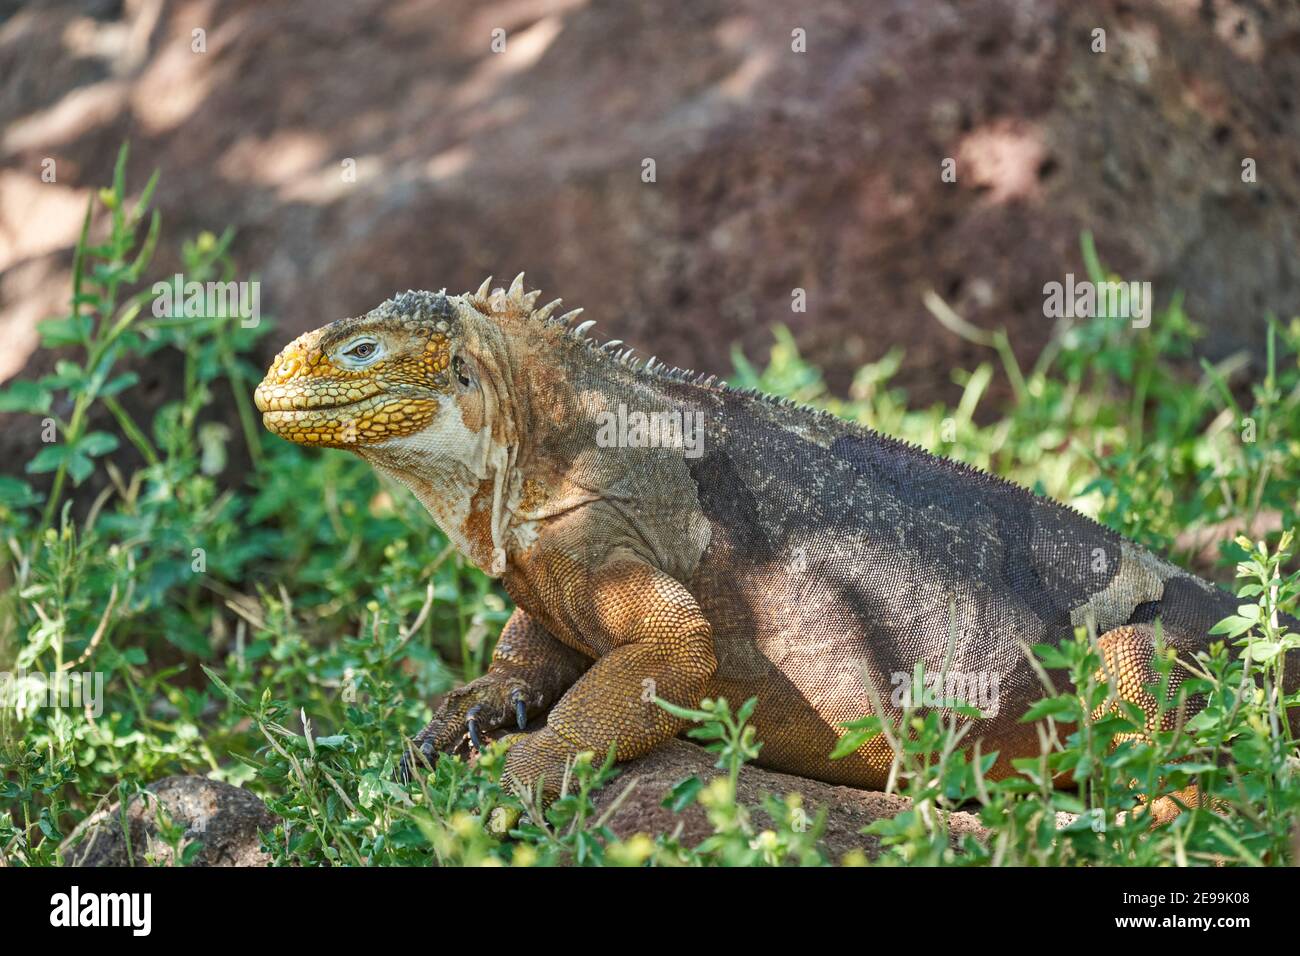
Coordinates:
(223, 818)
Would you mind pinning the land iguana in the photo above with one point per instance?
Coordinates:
(664, 535)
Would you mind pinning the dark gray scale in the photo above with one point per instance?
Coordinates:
(854, 545)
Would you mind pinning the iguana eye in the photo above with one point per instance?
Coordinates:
(362, 350)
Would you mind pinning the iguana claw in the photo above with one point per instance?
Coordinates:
(471, 724)
(471, 717)
(408, 761)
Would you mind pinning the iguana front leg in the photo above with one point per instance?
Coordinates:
(529, 671)
(652, 640)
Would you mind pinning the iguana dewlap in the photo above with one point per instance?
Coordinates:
(664, 535)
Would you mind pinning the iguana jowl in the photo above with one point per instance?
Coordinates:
(779, 559)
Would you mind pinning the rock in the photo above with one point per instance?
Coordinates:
(226, 819)
(223, 818)
(848, 810)
(775, 170)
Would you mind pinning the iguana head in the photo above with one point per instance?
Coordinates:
(424, 388)
(368, 380)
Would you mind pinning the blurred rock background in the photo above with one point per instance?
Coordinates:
(775, 169)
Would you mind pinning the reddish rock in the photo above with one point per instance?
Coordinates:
(848, 810)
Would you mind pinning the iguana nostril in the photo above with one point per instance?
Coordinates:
(288, 368)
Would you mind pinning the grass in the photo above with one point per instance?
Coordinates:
(284, 628)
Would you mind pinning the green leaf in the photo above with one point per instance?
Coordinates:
(1051, 706)
(1265, 651)
(47, 459)
(708, 731)
(115, 385)
(48, 827)
(1053, 658)
(683, 794)
(1196, 766)
(70, 330)
(862, 723)
(1112, 724)
(851, 741)
(1232, 626)
(79, 467)
(147, 247)
(16, 493)
(224, 688)
(24, 396)
(191, 852)
(97, 443)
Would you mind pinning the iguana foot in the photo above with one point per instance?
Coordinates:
(542, 755)
(486, 704)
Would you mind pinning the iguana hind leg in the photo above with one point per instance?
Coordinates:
(654, 642)
(530, 670)
(1128, 661)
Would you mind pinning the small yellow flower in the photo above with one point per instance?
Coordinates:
(633, 851)
(717, 793)
(524, 855)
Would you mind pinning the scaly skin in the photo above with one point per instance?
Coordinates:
(788, 556)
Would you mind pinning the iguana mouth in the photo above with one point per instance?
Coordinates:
(325, 424)
(270, 397)
(282, 405)
(310, 417)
